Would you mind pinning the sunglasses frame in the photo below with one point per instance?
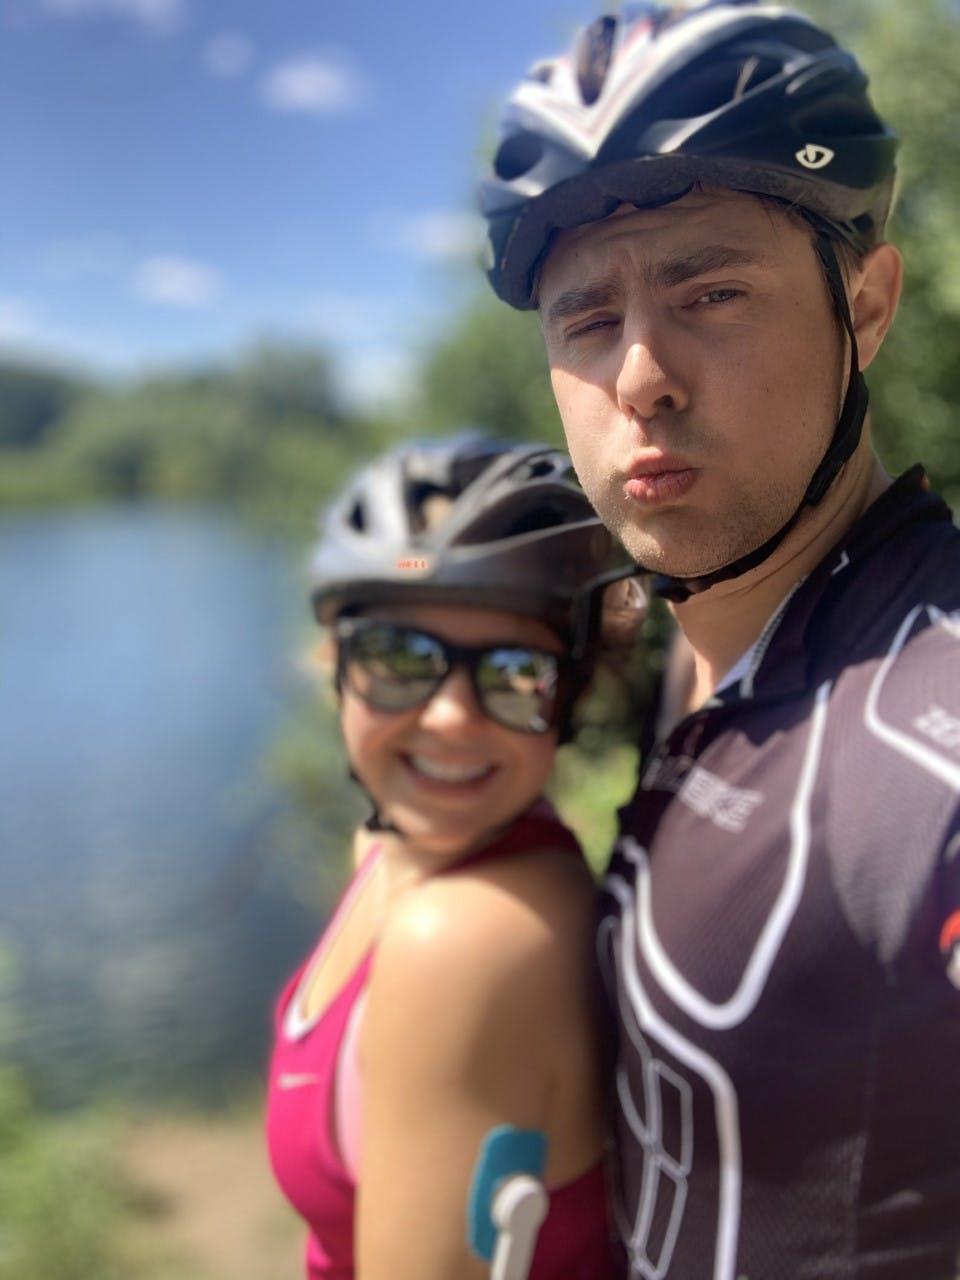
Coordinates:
(467, 657)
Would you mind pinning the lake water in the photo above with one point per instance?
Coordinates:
(145, 663)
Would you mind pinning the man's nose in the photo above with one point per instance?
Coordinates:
(646, 383)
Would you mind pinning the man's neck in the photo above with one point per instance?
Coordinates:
(721, 624)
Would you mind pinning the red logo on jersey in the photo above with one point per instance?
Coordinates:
(950, 947)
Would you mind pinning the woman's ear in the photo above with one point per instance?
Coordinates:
(874, 295)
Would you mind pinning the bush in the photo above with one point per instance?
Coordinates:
(60, 1195)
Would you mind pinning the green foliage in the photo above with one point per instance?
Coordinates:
(911, 52)
(267, 434)
(282, 381)
(60, 1198)
(60, 1195)
(307, 763)
(588, 787)
(490, 371)
(33, 477)
(32, 399)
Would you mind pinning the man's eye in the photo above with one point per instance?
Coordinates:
(593, 326)
(716, 297)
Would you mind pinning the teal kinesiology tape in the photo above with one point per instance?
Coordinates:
(504, 1152)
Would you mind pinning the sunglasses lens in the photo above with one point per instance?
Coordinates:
(518, 688)
(393, 668)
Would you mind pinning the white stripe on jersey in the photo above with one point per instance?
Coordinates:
(742, 1003)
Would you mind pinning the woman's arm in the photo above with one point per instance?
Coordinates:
(477, 995)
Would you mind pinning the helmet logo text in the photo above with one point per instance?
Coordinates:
(815, 157)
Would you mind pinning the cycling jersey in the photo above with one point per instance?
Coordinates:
(781, 937)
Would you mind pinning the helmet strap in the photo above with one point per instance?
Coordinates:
(373, 821)
(845, 439)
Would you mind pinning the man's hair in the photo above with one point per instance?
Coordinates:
(849, 257)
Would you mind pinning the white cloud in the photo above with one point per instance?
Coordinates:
(19, 319)
(155, 15)
(346, 318)
(438, 235)
(99, 253)
(228, 54)
(177, 282)
(316, 84)
(382, 377)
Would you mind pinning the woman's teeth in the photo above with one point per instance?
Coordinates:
(449, 772)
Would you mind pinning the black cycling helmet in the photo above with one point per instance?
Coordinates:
(731, 93)
(472, 521)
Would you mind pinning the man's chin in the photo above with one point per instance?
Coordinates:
(668, 560)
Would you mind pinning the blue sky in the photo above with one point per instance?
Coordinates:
(181, 177)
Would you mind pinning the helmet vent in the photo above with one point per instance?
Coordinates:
(594, 51)
(357, 519)
(543, 467)
(428, 506)
(517, 155)
(541, 518)
(542, 72)
(715, 84)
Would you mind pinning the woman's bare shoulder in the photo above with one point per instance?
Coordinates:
(513, 930)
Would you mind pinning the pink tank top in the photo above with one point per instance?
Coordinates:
(306, 1141)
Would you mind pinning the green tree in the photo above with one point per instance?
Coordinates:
(32, 399)
(911, 52)
(267, 434)
(490, 371)
(282, 380)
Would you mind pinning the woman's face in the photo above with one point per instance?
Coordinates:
(445, 774)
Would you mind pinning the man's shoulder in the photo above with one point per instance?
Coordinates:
(891, 785)
(888, 618)
(911, 698)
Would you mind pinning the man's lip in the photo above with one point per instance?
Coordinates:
(656, 465)
(661, 487)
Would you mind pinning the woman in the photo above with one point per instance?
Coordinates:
(450, 998)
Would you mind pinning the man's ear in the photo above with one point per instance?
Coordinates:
(874, 295)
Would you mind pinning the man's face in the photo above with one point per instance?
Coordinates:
(698, 369)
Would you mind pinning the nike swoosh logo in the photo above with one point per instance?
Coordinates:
(290, 1080)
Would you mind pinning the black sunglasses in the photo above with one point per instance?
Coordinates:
(396, 668)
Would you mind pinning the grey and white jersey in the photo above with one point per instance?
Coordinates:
(781, 938)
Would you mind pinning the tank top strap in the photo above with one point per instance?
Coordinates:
(538, 828)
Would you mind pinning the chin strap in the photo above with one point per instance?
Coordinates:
(373, 822)
(846, 437)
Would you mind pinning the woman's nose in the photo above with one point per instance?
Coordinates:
(454, 705)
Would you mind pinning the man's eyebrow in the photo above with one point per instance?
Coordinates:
(665, 275)
(712, 257)
(599, 293)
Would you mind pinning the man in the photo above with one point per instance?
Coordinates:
(695, 202)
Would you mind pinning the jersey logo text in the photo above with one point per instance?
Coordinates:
(938, 724)
(709, 797)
